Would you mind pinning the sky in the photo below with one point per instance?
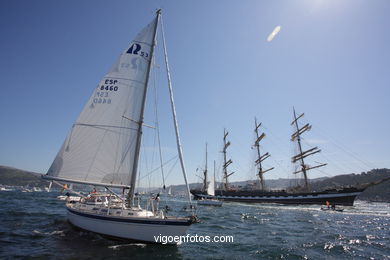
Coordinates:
(330, 60)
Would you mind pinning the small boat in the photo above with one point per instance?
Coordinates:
(69, 199)
(326, 208)
(26, 189)
(37, 189)
(47, 189)
(5, 189)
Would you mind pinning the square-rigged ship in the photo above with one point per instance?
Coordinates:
(298, 195)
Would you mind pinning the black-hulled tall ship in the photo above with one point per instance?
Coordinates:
(297, 195)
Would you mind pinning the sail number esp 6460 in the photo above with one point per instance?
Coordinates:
(102, 96)
(109, 85)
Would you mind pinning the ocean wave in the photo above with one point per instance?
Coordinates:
(116, 247)
(52, 233)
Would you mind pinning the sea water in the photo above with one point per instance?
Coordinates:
(33, 225)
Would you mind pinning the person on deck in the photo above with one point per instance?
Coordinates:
(156, 202)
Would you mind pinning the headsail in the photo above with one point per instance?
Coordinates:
(211, 187)
(100, 148)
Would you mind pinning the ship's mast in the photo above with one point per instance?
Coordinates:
(226, 162)
(260, 157)
(302, 154)
(140, 123)
(205, 174)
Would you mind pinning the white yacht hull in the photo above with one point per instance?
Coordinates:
(145, 229)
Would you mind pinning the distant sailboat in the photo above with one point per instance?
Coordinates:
(47, 189)
(210, 200)
(103, 147)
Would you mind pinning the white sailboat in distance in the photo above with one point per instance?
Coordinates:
(210, 201)
(103, 147)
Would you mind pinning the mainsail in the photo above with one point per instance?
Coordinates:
(211, 187)
(101, 147)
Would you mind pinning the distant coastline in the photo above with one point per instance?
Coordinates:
(381, 193)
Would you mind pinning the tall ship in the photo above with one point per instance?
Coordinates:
(302, 194)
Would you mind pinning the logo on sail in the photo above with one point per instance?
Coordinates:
(135, 49)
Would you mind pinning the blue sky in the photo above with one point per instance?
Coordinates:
(331, 60)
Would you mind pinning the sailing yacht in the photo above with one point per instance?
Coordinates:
(103, 146)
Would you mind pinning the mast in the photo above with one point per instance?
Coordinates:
(179, 148)
(205, 174)
(214, 175)
(302, 154)
(139, 130)
(226, 162)
(260, 157)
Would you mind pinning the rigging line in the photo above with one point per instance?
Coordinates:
(134, 121)
(338, 162)
(149, 173)
(173, 165)
(340, 146)
(103, 126)
(138, 184)
(158, 126)
(146, 157)
(153, 150)
(323, 172)
(276, 140)
(179, 148)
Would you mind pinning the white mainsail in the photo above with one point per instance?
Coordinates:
(211, 187)
(101, 146)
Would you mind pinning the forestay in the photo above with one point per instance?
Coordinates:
(101, 145)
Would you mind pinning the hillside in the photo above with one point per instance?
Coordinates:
(15, 177)
(381, 192)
